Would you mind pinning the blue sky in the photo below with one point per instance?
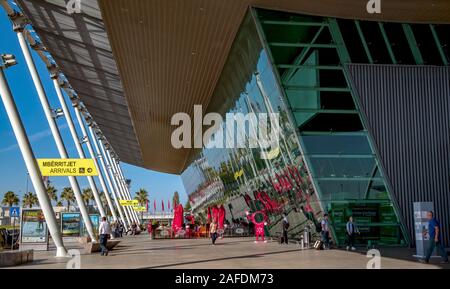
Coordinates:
(13, 174)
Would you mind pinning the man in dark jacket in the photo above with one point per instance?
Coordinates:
(285, 227)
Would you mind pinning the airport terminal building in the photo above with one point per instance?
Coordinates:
(363, 102)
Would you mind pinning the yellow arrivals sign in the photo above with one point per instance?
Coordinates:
(67, 167)
(129, 203)
(140, 209)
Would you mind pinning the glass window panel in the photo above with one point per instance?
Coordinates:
(343, 167)
(336, 144)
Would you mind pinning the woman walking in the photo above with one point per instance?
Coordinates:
(213, 232)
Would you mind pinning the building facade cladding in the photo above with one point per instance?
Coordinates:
(326, 137)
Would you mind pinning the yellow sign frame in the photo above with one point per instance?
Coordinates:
(67, 167)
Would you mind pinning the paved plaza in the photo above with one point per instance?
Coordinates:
(139, 252)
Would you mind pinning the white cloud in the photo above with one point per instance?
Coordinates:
(33, 138)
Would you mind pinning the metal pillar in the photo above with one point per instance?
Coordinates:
(122, 178)
(53, 127)
(95, 192)
(119, 169)
(73, 132)
(106, 174)
(120, 184)
(28, 156)
(126, 221)
(100, 173)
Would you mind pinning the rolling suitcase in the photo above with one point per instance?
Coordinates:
(318, 245)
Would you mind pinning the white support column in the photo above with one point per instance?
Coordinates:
(126, 221)
(121, 175)
(120, 185)
(85, 137)
(100, 175)
(73, 132)
(54, 129)
(30, 163)
(105, 173)
(125, 188)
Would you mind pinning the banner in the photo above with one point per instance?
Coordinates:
(34, 227)
(67, 167)
(71, 224)
(129, 203)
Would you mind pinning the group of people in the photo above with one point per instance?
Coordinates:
(116, 230)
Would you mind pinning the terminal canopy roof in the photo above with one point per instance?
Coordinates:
(134, 63)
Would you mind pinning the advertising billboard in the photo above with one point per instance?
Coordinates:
(71, 224)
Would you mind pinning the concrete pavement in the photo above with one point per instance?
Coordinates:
(136, 252)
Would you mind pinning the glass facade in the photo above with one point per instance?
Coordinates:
(310, 54)
(239, 178)
(327, 162)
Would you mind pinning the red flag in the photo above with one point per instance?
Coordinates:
(168, 205)
(154, 206)
(162, 205)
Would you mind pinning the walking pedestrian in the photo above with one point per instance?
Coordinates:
(213, 232)
(435, 237)
(325, 233)
(351, 230)
(104, 232)
(285, 227)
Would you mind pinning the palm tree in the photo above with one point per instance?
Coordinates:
(142, 197)
(29, 200)
(51, 192)
(175, 199)
(87, 196)
(10, 199)
(68, 196)
(59, 204)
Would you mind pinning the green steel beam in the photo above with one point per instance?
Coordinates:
(387, 43)
(343, 156)
(413, 44)
(334, 133)
(439, 45)
(314, 88)
(349, 179)
(332, 111)
(311, 45)
(339, 41)
(319, 67)
(384, 201)
(300, 58)
(364, 42)
(293, 23)
(371, 224)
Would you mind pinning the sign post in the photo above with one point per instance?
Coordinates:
(13, 214)
(421, 227)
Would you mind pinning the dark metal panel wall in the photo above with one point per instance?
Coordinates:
(407, 109)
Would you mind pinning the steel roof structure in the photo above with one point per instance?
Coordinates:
(134, 63)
